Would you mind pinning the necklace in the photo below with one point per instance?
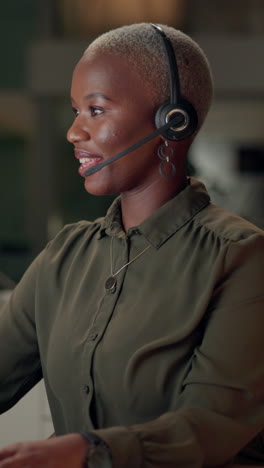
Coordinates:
(110, 284)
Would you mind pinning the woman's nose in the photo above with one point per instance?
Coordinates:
(77, 132)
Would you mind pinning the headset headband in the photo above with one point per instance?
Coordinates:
(173, 67)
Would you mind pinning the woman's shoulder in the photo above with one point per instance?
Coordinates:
(74, 234)
(226, 225)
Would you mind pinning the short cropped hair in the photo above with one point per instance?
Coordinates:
(143, 48)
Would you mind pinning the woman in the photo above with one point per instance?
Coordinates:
(146, 324)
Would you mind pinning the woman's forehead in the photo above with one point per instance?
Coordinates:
(106, 73)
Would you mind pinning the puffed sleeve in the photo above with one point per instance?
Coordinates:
(20, 367)
(221, 407)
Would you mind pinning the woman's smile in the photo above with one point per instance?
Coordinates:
(86, 160)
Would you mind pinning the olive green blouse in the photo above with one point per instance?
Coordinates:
(168, 368)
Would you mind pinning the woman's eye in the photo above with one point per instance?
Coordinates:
(75, 111)
(95, 111)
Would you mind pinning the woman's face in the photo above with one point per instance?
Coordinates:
(113, 110)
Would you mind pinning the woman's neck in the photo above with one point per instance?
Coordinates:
(139, 205)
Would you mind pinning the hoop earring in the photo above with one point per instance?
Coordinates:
(165, 153)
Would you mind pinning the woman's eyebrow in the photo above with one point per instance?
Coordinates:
(97, 94)
(92, 95)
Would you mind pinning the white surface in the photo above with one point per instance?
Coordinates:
(29, 419)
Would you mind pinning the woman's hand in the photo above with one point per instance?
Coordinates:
(59, 452)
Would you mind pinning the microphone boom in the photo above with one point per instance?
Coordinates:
(176, 120)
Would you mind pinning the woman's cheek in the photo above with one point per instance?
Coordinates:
(109, 140)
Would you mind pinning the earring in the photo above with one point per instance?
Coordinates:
(165, 153)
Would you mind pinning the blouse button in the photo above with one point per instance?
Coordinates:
(93, 336)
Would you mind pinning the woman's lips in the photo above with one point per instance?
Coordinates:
(87, 160)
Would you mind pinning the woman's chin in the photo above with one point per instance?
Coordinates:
(98, 187)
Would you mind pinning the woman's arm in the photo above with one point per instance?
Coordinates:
(67, 451)
(20, 367)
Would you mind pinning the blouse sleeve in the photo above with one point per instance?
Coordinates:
(20, 367)
(221, 407)
(20, 364)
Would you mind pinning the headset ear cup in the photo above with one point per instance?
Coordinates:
(187, 120)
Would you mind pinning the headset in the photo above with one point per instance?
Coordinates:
(175, 120)
(177, 106)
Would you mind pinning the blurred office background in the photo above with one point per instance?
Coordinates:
(40, 42)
